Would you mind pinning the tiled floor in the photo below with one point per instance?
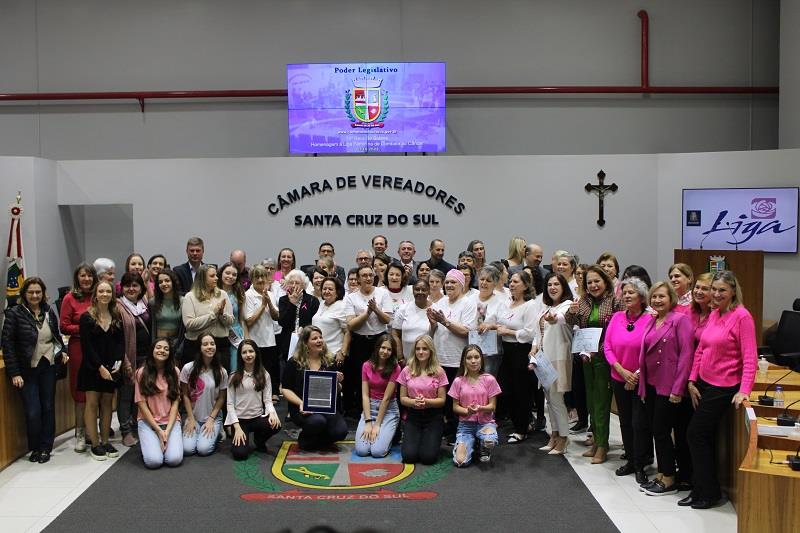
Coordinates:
(32, 495)
(633, 511)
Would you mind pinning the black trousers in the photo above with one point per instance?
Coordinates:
(361, 348)
(634, 424)
(450, 418)
(422, 436)
(269, 358)
(319, 431)
(702, 437)
(576, 398)
(261, 431)
(537, 395)
(516, 384)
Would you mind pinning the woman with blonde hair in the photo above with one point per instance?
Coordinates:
(205, 309)
(681, 277)
(316, 430)
(423, 384)
(516, 253)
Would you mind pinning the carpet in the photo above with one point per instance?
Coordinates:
(522, 489)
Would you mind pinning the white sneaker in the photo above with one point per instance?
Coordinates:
(80, 440)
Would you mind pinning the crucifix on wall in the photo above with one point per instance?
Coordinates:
(602, 189)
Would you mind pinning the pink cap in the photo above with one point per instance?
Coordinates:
(456, 275)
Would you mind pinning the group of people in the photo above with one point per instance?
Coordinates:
(422, 350)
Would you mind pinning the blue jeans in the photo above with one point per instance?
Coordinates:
(383, 442)
(198, 442)
(466, 434)
(150, 445)
(39, 399)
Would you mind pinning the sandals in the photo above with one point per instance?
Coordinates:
(515, 438)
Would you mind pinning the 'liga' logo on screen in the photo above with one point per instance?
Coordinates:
(763, 208)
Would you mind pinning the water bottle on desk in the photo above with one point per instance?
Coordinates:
(763, 366)
(778, 402)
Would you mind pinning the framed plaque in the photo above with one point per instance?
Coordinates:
(319, 391)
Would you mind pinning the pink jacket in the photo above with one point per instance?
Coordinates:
(727, 353)
(666, 355)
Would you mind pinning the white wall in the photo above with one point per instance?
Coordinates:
(778, 168)
(95, 45)
(790, 75)
(538, 197)
(44, 247)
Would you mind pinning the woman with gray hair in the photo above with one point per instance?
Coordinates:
(105, 268)
(489, 304)
(622, 345)
(566, 263)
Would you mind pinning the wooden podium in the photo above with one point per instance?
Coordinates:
(748, 267)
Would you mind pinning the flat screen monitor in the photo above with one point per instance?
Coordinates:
(741, 219)
(366, 107)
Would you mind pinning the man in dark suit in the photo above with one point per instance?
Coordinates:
(186, 272)
(379, 245)
(239, 260)
(325, 250)
(405, 253)
(436, 260)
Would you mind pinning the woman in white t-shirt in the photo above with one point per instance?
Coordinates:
(260, 314)
(203, 386)
(411, 321)
(451, 319)
(330, 318)
(516, 324)
(488, 303)
(368, 312)
(395, 281)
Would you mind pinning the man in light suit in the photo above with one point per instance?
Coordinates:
(186, 272)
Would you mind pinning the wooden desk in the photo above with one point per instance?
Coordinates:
(790, 382)
(764, 494)
(13, 437)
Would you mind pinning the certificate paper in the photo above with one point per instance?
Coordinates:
(319, 391)
(586, 340)
(545, 370)
(487, 341)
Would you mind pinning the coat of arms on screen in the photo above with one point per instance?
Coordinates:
(366, 104)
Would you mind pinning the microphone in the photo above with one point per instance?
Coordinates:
(785, 419)
(733, 235)
(769, 400)
(704, 239)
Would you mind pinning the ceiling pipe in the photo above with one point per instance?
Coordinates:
(643, 88)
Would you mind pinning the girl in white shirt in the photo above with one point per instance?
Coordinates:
(203, 385)
(250, 406)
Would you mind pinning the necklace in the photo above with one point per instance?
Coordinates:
(631, 323)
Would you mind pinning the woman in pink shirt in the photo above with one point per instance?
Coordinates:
(665, 360)
(622, 345)
(474, 394)
(380, 413)
(157, 394)
(723, 373)
(700, 308)
(422, 390)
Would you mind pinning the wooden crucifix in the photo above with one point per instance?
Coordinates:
(601, 190)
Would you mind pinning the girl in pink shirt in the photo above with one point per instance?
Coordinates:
(474, 394)
(422, 390)
(722, 374)
(380, 413)
(156, 394)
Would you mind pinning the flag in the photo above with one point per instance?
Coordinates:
(15, 262)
